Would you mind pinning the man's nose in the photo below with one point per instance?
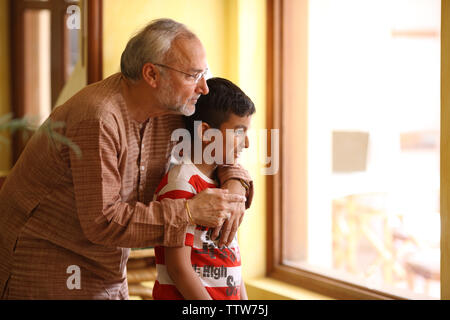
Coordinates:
(202, 87)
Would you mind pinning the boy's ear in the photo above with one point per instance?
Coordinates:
(201, 129)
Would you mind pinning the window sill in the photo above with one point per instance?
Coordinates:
(271, 289)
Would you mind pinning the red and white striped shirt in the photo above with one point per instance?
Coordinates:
(218, 269)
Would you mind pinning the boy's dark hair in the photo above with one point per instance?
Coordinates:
(223, 99)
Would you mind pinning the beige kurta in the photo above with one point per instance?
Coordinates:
(60, 213)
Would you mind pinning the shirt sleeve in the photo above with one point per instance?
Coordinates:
(105, 219)
(227, 172)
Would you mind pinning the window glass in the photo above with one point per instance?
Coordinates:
(373, 127)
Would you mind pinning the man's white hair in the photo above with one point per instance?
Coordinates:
(151, 44)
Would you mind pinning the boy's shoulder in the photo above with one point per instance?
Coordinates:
(181, 171)
(183, 181)
(189, 174)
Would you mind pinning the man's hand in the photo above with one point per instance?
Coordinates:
(211, 207)
(228, 231)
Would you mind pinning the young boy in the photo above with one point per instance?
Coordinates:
(201, 269)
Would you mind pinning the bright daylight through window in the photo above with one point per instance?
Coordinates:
(373, 126)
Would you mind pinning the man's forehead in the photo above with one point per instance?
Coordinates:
(188, 53)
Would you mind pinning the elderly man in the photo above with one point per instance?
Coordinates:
(67, 221)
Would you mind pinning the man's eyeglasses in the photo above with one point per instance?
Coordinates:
(196, 76)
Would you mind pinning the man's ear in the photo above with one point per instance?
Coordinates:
(150, 74)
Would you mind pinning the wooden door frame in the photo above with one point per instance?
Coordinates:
(94, 40)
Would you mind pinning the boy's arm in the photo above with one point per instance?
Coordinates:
(178, 262)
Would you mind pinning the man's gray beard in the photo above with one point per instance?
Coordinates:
(183, 109)
(166, 98)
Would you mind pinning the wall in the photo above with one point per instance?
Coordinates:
(5, 106)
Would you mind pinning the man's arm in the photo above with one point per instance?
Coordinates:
(104, 217)
(236, 174)
(179, 268)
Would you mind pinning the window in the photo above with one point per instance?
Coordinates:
(356, 96)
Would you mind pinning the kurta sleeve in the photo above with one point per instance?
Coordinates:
(105, 219)
(227, 172)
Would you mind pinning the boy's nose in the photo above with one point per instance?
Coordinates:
(247, 142)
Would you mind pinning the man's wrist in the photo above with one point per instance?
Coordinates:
(242, 182)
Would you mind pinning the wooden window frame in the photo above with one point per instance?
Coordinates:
(314, 281)
(445, 151)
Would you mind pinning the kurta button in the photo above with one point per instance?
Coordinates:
(142, 168)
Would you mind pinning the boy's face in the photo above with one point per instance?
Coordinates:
(234, 143)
